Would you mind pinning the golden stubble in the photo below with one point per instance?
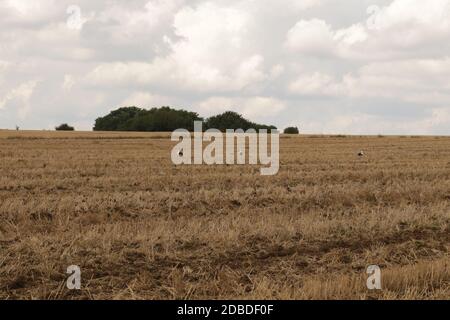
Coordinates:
(141, 228)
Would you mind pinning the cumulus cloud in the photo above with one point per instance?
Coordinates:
(316, 83)
(311, 37)
(123, 23)
(147, 100)
(319, 64)
(203, 58)
(28, 12)
(434, 122)
(417, 81)
(69, 82)
(19, 98)
(404, 28)
(258, 107)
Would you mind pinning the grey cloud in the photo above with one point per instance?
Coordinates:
(199, 54)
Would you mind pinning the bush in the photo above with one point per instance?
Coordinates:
(64, 127)
(291, 130)
(233, 120)
(164, 119)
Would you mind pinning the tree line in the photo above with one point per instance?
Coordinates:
(168, 119)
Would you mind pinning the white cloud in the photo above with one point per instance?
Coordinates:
(413, 13)
(404, 28)
(213, 53)
(313, 37)
(135, 73)
(306, 4)
(274, 61)
(29, 10)
(147, 100)
(418, 81)
(277, 70)
(252, 107)
(348, 37)
(361, 123)
(3, 65)
(69, 82)
(124, 24)
(203, 59)
(414, 81)
(316, 83)
(20, 98)
(3, 68)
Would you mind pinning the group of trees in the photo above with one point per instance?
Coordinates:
(233, 120)
(166, 119)
(64, 127)
(156, 119)
(291, 130)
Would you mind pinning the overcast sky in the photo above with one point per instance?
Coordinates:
(327, 66)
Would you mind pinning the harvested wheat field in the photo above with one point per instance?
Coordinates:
(140, 227)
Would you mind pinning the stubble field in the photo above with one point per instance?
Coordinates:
(141, 228)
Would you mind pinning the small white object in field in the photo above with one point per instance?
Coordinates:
(361, 154)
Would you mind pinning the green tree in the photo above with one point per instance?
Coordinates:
(291, 130)
(156, 119)
(166, 119)
(233, 120)
(118, 120)
(64, 127)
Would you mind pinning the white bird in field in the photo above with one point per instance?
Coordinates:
(361, 154)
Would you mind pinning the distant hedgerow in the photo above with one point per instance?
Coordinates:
(291, 130)
(64, 127)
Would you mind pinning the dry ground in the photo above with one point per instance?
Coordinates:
(142, 228)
